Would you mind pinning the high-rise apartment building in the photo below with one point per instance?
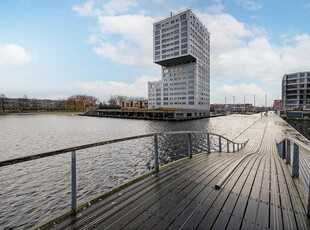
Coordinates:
(296, 91)
(182, 48)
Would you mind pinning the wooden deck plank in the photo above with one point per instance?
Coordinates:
(259, 194)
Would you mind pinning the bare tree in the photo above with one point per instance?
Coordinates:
(3, 100)
(81, 102)
(23, 103)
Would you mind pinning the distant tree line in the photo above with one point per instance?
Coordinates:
(75, 102)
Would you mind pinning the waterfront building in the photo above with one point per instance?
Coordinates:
(24, 104)
(296, 91)
(182, 49)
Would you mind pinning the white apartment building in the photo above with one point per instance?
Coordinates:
(296, 91)
(182, 47)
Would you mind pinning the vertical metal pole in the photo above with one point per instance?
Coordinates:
(283, 149)
(295, 172)
(73, 183)
(280, 149)
(209, 144)
(220, 144)
(156, 152)
(308, 208)
(288, 152)
(233, 147)
(190, 153)
(228, 146)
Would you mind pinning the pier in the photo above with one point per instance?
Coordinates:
(260, 180)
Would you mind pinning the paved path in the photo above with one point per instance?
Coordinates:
(259, 194)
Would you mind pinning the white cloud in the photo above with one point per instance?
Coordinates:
(126, 38)
(104, 90)
(14, 54)
(252, 5)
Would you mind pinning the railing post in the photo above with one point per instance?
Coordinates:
(308, 206)
(220, 144)
(233, 147)
(280, 149)
(209, 144)
(190, 153)
(228, 146)
(156, 152)
(295, 172)
(283, 149)
(73, 183)
(288, 152)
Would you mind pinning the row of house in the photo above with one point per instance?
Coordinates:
(23, 104)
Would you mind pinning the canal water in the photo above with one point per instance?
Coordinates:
(34, 191)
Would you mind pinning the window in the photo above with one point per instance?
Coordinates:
(183, 17)
(157, 27)
(157, 43)
(157, 47)
(184, 46)
(184, 52)
(184, 40)
(157, 52)
(184, 35)
(176, 31)
(190, 92)
(191, 102)
(176, 42)
(184, 29)
(157, 38)
(184, 23)
(176, 37)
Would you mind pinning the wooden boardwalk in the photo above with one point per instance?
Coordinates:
(259, 194)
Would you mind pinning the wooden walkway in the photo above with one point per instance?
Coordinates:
(259, 194)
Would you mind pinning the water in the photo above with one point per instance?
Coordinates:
(32, 192)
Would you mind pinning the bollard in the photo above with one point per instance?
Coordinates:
(295, 171)
(73, 183)
(288, 152)
(209, 144)
(156, 152)
(190, 153)
(283, 149)
(220, 144)
(228, 146)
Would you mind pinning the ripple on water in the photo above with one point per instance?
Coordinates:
(33, 191)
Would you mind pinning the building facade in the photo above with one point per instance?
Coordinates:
(182, 49)
(23, 104)
(296, 91)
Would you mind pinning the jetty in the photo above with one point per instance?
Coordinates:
(259, 180)
(252, 188)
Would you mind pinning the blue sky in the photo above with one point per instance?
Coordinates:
(54, 49)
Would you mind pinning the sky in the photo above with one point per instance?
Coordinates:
(55, 49)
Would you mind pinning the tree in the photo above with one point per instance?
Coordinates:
(3, 101)
(81, 102)
(23, 103)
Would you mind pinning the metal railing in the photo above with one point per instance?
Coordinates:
(297, 155)
(223, 144)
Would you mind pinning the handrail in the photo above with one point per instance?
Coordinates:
(284, 151)
(101, 143)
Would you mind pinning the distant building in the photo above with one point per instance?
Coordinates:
(277, 105)
(23, 104)
(182, 48)
(296, 91)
